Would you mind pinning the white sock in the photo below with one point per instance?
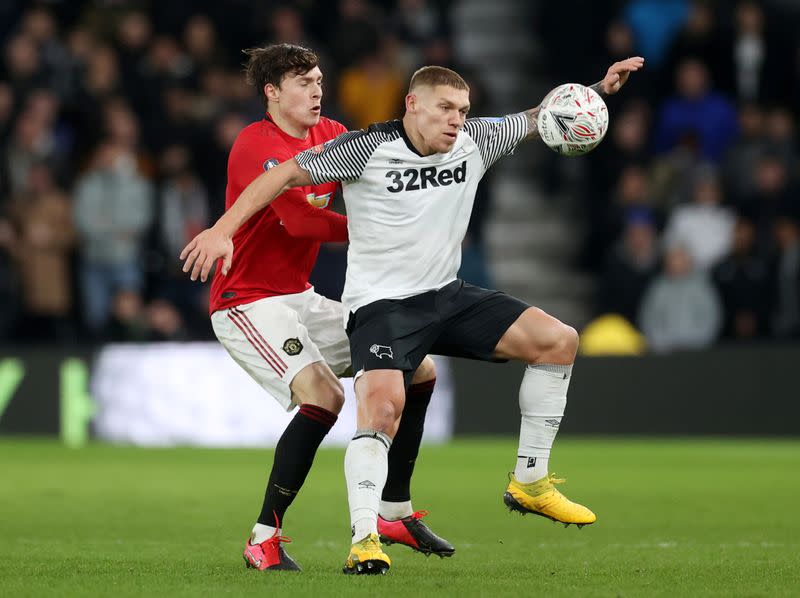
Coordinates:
(261, 533)
(530, 469)
(392, 511)
(542, 400)
(365, 468)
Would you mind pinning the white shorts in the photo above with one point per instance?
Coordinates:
(276, 337)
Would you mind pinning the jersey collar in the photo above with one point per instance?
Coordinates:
(406, 138)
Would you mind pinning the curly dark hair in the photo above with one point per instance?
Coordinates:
(272, 63)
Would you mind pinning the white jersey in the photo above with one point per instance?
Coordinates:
(407, 213)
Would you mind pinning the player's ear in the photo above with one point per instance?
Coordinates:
(411, 102)
(271, 92)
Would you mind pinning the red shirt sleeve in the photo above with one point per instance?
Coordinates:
(245, 163)
(307, 222)
(299, 218)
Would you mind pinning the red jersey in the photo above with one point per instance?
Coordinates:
(275, 250)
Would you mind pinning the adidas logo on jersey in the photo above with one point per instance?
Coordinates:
(414, 179)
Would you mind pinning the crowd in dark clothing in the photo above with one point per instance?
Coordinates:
(116, 119)
(117, 116)
(692, 203)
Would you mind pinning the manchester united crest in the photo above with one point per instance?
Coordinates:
(292, 346)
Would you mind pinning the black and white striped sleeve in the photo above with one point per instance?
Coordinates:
(496, 137)
(343, 158)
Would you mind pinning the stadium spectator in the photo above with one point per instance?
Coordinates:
(781, 137)
(101, 82)
(32, 141)
(200, 41)
(356, 33)
(41, 217)
(655, 23)
(212, 158)
(627, 144)
(703, 227)
(772, 196)
(632, 192)
(371, 90)
(127, 321)
(698, 111)
(680, 309)
(23, 65)
(6, 109)
(151, 76)
(758, 55)
(165, 322)
(738, 165)
(134, 34)
(617, 44)
(113, 208)
(786, 318)
(744, 282)
(630, 267)
(702, 38)
(183, 212)
(417, 22)
(40, 25)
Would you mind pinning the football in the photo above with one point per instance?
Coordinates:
(573, 119)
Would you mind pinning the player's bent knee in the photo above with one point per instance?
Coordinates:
(317, 385)
(332, 399)
(382, 408)
(564, 346)
(425, 372)
(384, 417)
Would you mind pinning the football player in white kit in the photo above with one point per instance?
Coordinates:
(409, 187)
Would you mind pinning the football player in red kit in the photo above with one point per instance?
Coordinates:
(290, 339)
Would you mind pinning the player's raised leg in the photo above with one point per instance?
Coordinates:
(381, 397)
(397, 521)
(548, 347)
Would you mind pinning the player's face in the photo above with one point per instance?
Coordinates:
(440, 113)
(299, 98)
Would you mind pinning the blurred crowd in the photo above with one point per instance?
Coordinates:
(693, 201)
(116, 118)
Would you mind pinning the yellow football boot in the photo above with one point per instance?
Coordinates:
(542, 498)
(367, 558)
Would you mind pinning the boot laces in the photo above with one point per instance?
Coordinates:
(276, 538)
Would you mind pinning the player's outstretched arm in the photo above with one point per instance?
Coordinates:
(216, 242)
(616, 76)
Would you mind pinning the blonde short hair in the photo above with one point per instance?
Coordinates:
(437, 75)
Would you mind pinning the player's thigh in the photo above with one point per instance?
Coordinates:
(425, 372)
(324, 319)
(317, 385)
(478, 318)
(538, 337)
(267, 339)
(392, 335)
(380, 396)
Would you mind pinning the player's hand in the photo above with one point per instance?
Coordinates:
(204, 250)
(619, 72)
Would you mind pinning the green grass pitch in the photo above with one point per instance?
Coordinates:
(677, 517)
